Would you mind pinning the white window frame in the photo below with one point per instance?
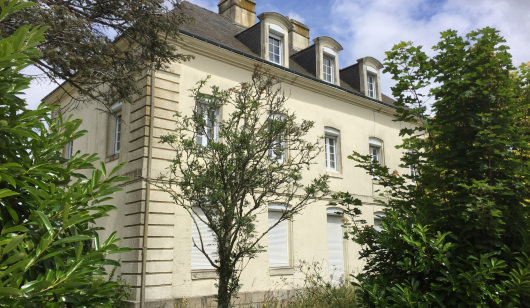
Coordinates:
(211, 128)
(116, 144)
(328, 71)
(371, 81)
(376, 145)
(413, 172)
(116, 128)
(69, 149)
(275, 37)
(336, 247)
(200, 230)
(279, 141)
(279, 246)
(378, 216)
(332, 148)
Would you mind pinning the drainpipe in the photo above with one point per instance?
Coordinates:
(148, 186)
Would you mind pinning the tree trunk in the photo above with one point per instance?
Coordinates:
(224, 293)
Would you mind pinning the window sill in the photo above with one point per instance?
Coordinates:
(281, 271)
(203, 274)
(334, 174)
(112, 157)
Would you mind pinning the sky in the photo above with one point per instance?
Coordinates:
(371, 27)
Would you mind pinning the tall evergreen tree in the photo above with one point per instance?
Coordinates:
(456, 233)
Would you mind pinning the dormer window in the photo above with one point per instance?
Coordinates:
(273, 29)
(372, 79)
(329, 68)
(327, 59)
(275, 48)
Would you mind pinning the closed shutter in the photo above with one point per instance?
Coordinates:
(198, 260)
(278, 241)
(335, 249)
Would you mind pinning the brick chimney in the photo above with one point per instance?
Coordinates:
(242, 12)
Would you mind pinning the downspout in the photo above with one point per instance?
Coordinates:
(148, 186)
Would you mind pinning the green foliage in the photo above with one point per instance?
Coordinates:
(81, 43)
(459, 235)
(50, 254)
(257, 158)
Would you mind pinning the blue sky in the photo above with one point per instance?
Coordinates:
(371, 27)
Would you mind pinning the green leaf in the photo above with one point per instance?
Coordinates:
(73, 238)
(13, 243)
(8, 291)
(4, 192)
(45, 221)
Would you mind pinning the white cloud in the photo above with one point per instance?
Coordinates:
(296, 16)
(368, 28)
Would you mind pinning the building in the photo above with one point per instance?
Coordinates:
(348, 109)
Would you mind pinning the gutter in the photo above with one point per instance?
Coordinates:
(148, 187)
(283, 68)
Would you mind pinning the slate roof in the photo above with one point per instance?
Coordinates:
(215, 28)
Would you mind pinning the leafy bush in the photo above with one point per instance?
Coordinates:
(50, 254)
(456, 233)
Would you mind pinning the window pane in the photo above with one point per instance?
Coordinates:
(69, 149)
(371, 85)
(331, 152)
(211, 121)
(275, 45)
(328, 68)
(117, 133)
(375, 153)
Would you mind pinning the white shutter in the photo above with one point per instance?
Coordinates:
(278, 241)
(335, 249)
(198, 260)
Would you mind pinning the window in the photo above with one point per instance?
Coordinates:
(332, 142)
(114, 137)
(378, 220)
(69, 149)
(278, 237)
(277, 151)
(371, 85)
(328, 68)
(201, 231)
(335, 246)
(275, 48)
(375, 150)
(209, 130)
(117, 134)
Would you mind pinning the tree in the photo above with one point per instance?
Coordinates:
(102, 47)
(50, 255)
(459, 235)
(228, 171)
